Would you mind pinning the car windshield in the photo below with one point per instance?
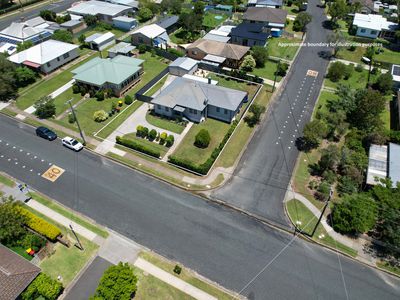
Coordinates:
(74, 142)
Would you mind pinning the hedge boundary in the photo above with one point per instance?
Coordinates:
(40, 225)
(135, 146)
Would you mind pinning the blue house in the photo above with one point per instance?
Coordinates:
(124, 23)
(250, 34)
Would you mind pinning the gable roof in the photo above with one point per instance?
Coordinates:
(265, 14)
(374, 22)
(122, 47)
(94, 7)
(394, 163)
(265, 3)
(230, 51)
(99, 38)
(21, 30)
(197, 95)
(184, 62)
(252, 31)
(168, 22)
(16, 273)
(43, 52)
(151, 31)
(98, 71)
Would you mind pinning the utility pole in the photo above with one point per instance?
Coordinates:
(276, 75)
(76, 120)
(369, 72)
(77, 239)
(323, 211)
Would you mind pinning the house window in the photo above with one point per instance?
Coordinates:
(58, 59)
(190, 110)
(158, 106)
(218, 109)
(362, 30)
(195, 111)
(373, 32)
(66, 55)
(48, 64)
(167, 109)
(225, 111)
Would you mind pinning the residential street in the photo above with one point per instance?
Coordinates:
(259, 183)
(220, 244)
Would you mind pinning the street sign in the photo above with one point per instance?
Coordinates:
(53, 173)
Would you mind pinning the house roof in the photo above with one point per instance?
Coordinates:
(185, 63)
(130, 3)
(394, 163)
(373, 22)
(265, 14)
(122, 48)
(151, 31)
(230, 51)
(35, 21)
(124, 19)
(113, 70)
(396, 73)
(266, 2)
(98, 38)
(7, 47)
(43, 52)
(216, 37)
(21, 31)
(252, 31)
(364, 3)
(16, 273)
(94, 7)
(197, 95)
(168, 22)
(71, 23)
(377, 163)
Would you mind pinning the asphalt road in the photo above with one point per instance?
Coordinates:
(221, 244)
(260, 181)
(56, 6)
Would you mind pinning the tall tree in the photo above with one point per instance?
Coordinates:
(11, 222)
(260, 55)
(338, 10)
(301, 21)
(8, 88)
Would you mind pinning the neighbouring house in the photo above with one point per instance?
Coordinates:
(225, 8)
(47, 56)
(124, 23)
(220, 35)
(100, 41)
(134, 4)
(250, 34)
(121, 48)
(182, 66)
(384, 161)
(373, 26)
(196, 101)
(8, 48)
(35, 30)
(119, 74)
(396, 76)
(272, 18)
(74, 26)
(366, 6)
(170, 23)
(150, 35)
(217, 53)
(16, 273)
(104, 11)
(265, 3)
(397, 103)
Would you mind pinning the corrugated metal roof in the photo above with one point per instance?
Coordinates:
(377, 163)
(394, 163)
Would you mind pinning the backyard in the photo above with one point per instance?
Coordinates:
(212, 20)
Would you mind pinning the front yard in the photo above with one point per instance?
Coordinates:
(146, 143)
(276, 47)
(164, 123)
(268, 71)
(357, 80)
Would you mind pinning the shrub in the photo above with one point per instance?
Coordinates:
(139, 130)
(163, 137)
(202, 139)
(128, 100)
(169, 140)
(176, 52)
(100, 95)
(152, 134)
(33, 241)
(100, 116)
(43, 287)
(177, 269)
(24, 76)
(282, 69)
(248, 63)
(359, 68)
(352, 48)
(45, 107)
(260, 55)
(375, 70)
(348, 71)
(323, 191)
(39, 225)
(71, 118)
(145, 132)
(141, 148)
(76, 89)
(142, 48)
(384, 83)
(256, 111)
(336, 71)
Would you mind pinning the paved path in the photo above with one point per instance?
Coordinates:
(62, 89)
(366, 67)
(178, 140)
(4, 105)
(172, 280)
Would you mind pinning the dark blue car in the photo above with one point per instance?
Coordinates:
(46, 133)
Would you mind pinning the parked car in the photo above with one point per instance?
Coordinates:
(46, 133)
(71, 143)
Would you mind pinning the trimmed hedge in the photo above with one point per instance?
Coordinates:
(138, 147)
(39, 225)
(204, 167)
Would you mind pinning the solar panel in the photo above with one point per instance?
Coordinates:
(396, 70)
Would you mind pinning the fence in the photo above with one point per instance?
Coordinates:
(140, 93)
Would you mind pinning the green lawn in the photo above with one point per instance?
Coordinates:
(275, 47)
(46, 87)
(164, 123)
(387, 266)
(6, 181)
(150, 287)
(188, 151)
(61, 100)
(155, 146)
(299, 212)
(292, 10)
(187, 276)
(358, 80)
(70, 215)
(180, 37)
(235, 84)
(210, 20)
(268, 71)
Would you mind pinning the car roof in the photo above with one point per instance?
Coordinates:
(68, 138)
(42, 128)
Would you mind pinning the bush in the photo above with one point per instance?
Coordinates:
(100, 95)
(33, 241)
(163, 137)
(282, 69)
(142, 48)
(128, 100)
(248, 63)
(141, 148)
(24, 76)
(169, 141)
(336, 71)
(177, 269)
(256, 111)
(100, 116)
(202, 139)
(71, 118)
(384, 83)
(43, 287)
(359, 68)
(348, 71)
(323, 191)
(260, 55)
(45, 107)
(375, 70)
(152, 134)
(39, 225)
(139, 130)
(76, 89)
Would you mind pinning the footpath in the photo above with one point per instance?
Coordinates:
(114, 249)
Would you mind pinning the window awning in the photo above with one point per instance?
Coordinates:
(179, 108)
(31, 64)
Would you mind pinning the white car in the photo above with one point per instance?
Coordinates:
(71, 143)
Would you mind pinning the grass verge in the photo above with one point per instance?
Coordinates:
(387, 266)
(6, 181)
